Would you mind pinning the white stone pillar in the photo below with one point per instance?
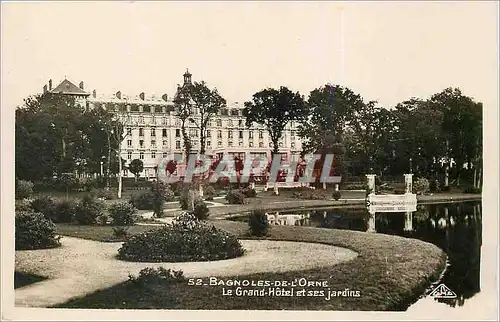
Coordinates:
(200, 190)
(409, 183)
(336, 187)
(252, 185)
(371, 183)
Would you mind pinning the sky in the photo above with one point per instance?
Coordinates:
(387, 52)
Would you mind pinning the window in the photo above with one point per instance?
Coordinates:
(240, 143)
(280, 144)
(270, 144)
(129, 155)
(141, 155)
(230, 123)
(141, 131)
(261, 144)
(164, 122)
(219, 134)
(177, 133)
(141, 143)
(292, 134)
(250, 135)
(153, 155)
(153, 120)
(250, 144)
(261, 135)
(141, 119)
(284, 157)
(129, 143)
(292, 145)
(129, 131)
(230, 134)
(164, 133)
(192, 132)
(210, 123)
(165, 154)
(153, 132)
(219, 122)
(240, 123)
(209, 143)
(153, 143)
(177, 144)
(177, 122)
(209, 134)
(219, 143)
(230, 143)
(240, 134)
(164, 142)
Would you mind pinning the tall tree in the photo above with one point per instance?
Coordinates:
(183, 108)
(205, 103)
(136, 166)
(275, 109)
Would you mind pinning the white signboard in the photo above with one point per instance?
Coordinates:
(392, 203)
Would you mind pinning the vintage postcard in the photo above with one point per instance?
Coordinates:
(249, 160)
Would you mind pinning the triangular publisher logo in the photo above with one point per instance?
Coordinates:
(443, 292)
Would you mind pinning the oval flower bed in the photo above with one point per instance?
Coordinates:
(185, 240)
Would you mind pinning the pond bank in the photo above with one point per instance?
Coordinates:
(290, 205)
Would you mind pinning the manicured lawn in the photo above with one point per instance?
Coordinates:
(390, 272)
(98, 233)
(23, 279)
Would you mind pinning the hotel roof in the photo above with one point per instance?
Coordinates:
(67, 87)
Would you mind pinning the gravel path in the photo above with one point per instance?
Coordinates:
(82, 266)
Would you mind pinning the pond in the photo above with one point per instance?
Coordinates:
(454, 227)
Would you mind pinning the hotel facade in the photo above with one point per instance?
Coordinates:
(152, 130)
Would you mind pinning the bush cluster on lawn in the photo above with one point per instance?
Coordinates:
(235, 197)
(23, 205)
(148, 199)
(209, 192)
(24, 189)
(354, 186)
(142, 201)
(258, 223)
(158, 275)
(186, 239)
(194, 204)
(309, 195)
(122, 214)
(101, 193)
(88, 209)
(201, 211)
(58, 211)
(120, 232)
(248, 192)
(336, 195)
(34, 231)
(421, 186)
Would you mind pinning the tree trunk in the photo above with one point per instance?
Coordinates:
(202, 140)
(119, 173)
(108, 162)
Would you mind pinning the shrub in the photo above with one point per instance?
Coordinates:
(421, 186)
(23, 205)
(445, 188)
(142, 201)
(186, 239)
(88, 210)
(169, 194)
(399, 191)
(158, 193)
(101, 193)
(189, 198)
(200, 211)
(258, 223)
(44, 205)
(249, 192)
(355, 186)
(122, 214)
(472, 190)
(63, 211)
(235, 197)
(434, 186)
(309, 195)
(34, 231)
(103, 219)
(336, 195)
(209, 192)
(155, 276)
(24, 189)
(120, 232)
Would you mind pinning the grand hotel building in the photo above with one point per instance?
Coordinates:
(153, 131)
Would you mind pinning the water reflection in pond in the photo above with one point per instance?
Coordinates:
(454, 227)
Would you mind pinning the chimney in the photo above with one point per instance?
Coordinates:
(164, 97)
(119, 95)
(50, 84)
(94, 94)
(45, 88)
(81, 85)
(141, 95)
